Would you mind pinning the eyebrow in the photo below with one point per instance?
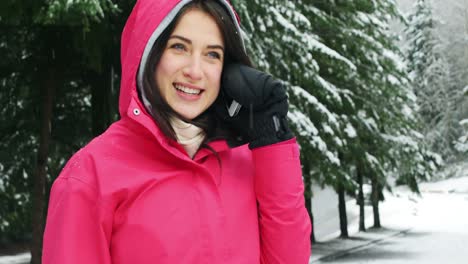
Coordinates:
(190, 42)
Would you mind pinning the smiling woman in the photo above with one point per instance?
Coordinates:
(174, 180)
(188, 75)
(201, 38)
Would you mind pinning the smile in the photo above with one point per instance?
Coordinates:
(187, 90)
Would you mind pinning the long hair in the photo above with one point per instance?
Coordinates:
(234, 53)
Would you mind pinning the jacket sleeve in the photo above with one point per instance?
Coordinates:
(284, 222)
(77, 228)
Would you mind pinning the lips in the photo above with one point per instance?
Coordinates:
(187, 90)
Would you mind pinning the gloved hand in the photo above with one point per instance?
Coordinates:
(261, 120)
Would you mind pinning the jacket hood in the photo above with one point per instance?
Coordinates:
(145, 24)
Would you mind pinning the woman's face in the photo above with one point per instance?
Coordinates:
(189, 72)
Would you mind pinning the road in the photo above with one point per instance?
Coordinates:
(439, 229)
(325, 210)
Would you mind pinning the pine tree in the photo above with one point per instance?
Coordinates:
(280, 39)
(431, 78)
(346, 84)
(51, 44)
(381, 99)
(462, 143)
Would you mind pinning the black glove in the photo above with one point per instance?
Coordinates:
(261, 120)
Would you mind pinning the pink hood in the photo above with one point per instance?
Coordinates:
(147, 21)
(145, 24)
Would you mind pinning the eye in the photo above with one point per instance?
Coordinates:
(178, 46)
(214, 55)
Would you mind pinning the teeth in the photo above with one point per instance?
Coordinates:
(187, 90)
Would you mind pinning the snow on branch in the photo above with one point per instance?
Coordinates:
(402, 140)
(310, 99)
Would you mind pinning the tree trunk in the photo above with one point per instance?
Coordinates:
(308, 197)
(361, 202)
(100, 99)
(48, 91)
(375, 203)
(342, 212)
(312, 234)
(308, 204)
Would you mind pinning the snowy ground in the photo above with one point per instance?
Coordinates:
(431, 228)
(22, 258)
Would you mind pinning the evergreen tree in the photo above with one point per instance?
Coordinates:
(431, 78)
(462, 143)
(346, 84)
(280, 39)
(57, 47)
(436, 82)
(383, 102)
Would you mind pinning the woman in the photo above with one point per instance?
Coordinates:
(171, 181)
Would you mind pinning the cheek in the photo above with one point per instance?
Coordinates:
(163, 69)
(214, 74)
(163, 75)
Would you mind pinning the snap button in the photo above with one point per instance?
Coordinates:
(136, 111)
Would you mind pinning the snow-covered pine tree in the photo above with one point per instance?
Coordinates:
(461, 145)
(431, 79)
(281, 40)
(350, 35)
(350, 99)
(382, 103)
(429, 73)
(44, 42)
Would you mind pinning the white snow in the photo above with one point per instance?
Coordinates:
(333, 157)
(281, 20)
(401, 139)
(261, 25)
(407, 111)
(306, 127)
(327, 129)
(350, 131)
(452, 185)
(329, 87)
(372, 159)
(369, 122)
(300, 92)
(16, 259)
(427, 228)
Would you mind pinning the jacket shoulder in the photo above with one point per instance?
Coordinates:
(82, 165)
(122, 143)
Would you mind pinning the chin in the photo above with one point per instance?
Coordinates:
(189, 115)
(189, 112)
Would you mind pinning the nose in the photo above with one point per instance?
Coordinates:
(193, 70)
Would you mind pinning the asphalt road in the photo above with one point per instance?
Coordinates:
(439, 235)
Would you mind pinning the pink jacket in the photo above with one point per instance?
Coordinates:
(134, 196)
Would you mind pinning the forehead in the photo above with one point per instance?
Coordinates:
(198, 25)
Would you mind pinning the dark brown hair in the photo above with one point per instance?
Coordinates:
(234, 53)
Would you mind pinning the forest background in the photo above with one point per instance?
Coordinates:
(378, 96)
